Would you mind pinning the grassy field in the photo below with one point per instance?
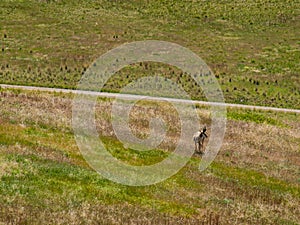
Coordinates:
(251, 46)
(45, 180)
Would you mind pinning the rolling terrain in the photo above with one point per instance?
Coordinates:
(252, 47)
(44, 178)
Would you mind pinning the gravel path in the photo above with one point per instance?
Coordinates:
(134, 97)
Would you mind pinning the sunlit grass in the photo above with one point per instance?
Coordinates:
(45, 178)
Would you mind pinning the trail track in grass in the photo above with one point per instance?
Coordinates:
(134, 97)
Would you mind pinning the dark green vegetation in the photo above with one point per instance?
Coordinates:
(251, 46)
(45, 180)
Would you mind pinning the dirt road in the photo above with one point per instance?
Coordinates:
(134, 97)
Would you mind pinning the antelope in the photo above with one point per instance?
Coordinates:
(198, 138)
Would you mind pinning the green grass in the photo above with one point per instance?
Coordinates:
(43, 174)
(48, 178)
(257, 117)
(138, 158)
(254, 179)
(251, 46)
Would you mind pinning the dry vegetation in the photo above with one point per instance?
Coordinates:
(44, 179)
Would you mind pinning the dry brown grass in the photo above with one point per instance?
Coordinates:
(272, 150)
(237, 204)
(95, 213)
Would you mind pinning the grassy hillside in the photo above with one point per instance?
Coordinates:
(252, 46)
(45, 180)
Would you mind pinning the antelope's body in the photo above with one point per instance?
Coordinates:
(199, 140)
